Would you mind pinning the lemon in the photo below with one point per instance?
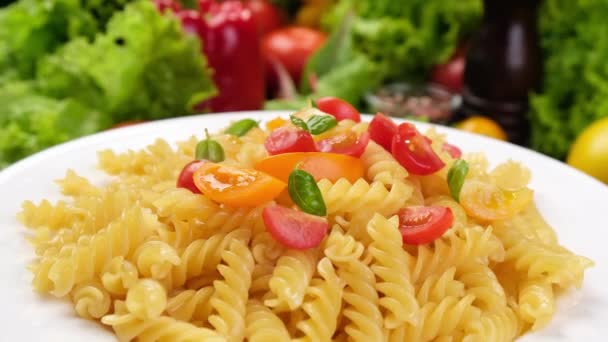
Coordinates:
(589, 153)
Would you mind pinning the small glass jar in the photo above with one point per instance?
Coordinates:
(427, 102)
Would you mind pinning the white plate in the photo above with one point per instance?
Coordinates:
(575, 204)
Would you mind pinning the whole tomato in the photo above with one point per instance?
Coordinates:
(292, 47)
(451, 73)
(267, 16)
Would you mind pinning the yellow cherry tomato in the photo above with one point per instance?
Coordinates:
(237, 187)
(589, 153)
(487, 202)
(276, 123)
(483, 126)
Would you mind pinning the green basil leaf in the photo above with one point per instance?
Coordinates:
(296, 121)
(209, 149)
(241, 127)
(304, 192)
(456, 176)
(321, 123)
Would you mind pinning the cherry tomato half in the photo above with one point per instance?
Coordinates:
(487, 202)
(421, 225)
(453, 150)
(237, 187)
(339, 108)
(289, 139)
(294, 229)
(414, 152)
(382, 130)
(186, 177)
(345, 143)
(320, 165)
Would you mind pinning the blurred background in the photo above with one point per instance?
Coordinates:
(528, 71)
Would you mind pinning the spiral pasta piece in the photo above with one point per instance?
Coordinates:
(263, 325)
(499, 326)
(481, 281)
(204, 255)
(475, 243)
(119, 275)
(91, 300)
(360, 295)
(260, 278)
(343, 197)
(323, 307)
(438, 286)
(191, 305)
(90, 255)
(290, 279)
(380, 165)
(147, 299)
(536, 303)
(398, 293)
(162, 329)
(230, 297)
(155, 259)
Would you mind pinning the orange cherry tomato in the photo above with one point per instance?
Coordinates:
(484, 126)
(488, 202)
(238, 187)
(320, 165)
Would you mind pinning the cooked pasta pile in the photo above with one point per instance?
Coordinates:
(160, 263)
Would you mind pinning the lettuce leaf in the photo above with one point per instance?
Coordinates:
(143, 67)
(575, 89)
(30, 122)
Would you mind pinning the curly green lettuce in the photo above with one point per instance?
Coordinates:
(575, 89)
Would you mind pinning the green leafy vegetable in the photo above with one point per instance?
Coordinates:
(456, 177)
(296, 121)
(241, 127)
(318, 124)
(209, 149)
(575, 87)
(304, 192)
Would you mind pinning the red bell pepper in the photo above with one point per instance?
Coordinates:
(231, 44)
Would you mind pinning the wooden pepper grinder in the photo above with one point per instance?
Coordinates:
(503, 66)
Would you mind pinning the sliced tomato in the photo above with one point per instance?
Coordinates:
(320, 165)
(238, 187)
(294, 229)
(289, 139)
(186, 177)
(382, 130)
(453, 150)
(414, 152)
(345, 143)
(339, 108)
(487, 202)
(421, 225)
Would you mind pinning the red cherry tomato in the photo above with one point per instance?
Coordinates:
(267, 16)
(414, 152)
(382, 130)
(186, 177)
(191, 21)
(454, 151)
(164, 5)
(345, 143)
(290, 46)
(294, 229)
(451, 74)
(339, 108)
(420, 225)
(289, 139)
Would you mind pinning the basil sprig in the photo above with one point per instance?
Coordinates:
(241, 127)
(304, 192)
(456, 176)
(209, 149)
(316, 125)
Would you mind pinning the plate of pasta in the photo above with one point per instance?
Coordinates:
(314, 226)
